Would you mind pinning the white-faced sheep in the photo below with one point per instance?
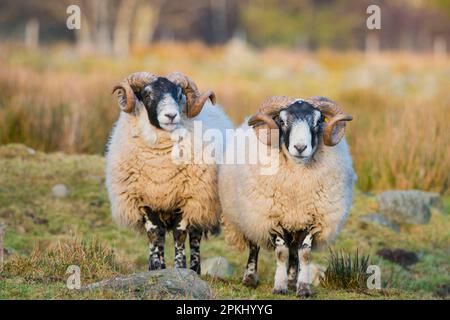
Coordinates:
(308, 198)
(150, 191)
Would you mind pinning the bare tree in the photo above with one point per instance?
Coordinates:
(122, 29)
(32, 33)
(146, 20)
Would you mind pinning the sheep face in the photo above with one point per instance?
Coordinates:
(301, 128)
(163, 101)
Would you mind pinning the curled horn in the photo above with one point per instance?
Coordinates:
(270, 108)
(194, 100)
(335, 126)
(133, 83)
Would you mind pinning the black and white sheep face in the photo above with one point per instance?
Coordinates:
(300, 125)
(164, 102)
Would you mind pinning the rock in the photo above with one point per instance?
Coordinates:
(317, 272)
(432, 199)
(399, 256)
(218, 267)
(405, 207)
(175, 282)
(442, 291)
(31, 151)
(60, 191)
(381, 220)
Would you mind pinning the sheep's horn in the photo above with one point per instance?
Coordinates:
(194, 100)
(261, 118)
(274, 104)
(335, 126)
(268, 109)
(127, 99)
(133, 83)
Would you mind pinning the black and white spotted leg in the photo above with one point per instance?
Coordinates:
(281, 274)
(156, 236)
(250, 278)
(195, 237)
(293, 267)
(179, 238)
(304, 272)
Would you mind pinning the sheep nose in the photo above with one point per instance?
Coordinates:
(171, 116)
(300, 148)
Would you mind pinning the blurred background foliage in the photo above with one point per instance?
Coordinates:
(337, 24)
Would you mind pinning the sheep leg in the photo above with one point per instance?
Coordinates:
(179, 237)
(304, 276)
(156, 234)
(281, 274)
(195, 237)
(250, 278)
(293, 267)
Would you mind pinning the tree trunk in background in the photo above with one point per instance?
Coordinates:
(219, 21)
(145, 23)
(372, 43)
(439, 47)
(32, 33)
(103, 40)
(122, 29)
(83, 36)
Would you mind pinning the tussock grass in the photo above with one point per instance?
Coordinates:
(53, 100)
(49, 264)
(345, 271)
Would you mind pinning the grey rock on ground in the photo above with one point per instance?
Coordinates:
(381, 220)
(217, 267)
(399, 256)
(60, 191)
(406, 207)
(173, 282)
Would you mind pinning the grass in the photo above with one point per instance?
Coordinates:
(345, 272)
(54, 100)
(96, 261)
(45, 234)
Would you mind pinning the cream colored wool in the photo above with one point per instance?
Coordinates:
(297, 197)
(140, 171)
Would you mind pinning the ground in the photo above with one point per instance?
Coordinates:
(45, 234)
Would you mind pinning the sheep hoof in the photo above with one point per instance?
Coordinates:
(250, 280)
(196, 268)
(280, 291)
(304, 291)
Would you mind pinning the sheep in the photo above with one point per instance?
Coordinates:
(148, 189)
(306, 201)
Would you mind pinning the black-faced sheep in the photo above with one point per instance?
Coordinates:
(148, 189)
(308, 198)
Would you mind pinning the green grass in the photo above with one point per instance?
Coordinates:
(46, 234)
(345, 271)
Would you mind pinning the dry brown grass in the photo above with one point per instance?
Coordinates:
(54, 100)
(48, 264)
